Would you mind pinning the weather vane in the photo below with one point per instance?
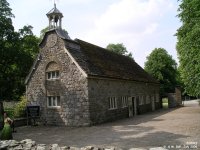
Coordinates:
(54, 1)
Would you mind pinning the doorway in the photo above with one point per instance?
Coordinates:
(132, 104)
(153, 103)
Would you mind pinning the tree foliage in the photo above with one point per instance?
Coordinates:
(188, 45)
(119, 48)
(17, 50)
(162, 67)
(8, 48)
(43, 31)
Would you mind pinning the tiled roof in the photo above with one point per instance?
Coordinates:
(99, 62)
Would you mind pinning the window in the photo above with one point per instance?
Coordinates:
(53, 101)
(124, 101)
(141, 100)
(52, 70)
(112, 103)
(153, 98)
(52, 75)
(148, 99)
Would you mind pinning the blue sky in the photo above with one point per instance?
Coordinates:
(141, 25)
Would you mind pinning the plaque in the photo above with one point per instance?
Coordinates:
(33, 111)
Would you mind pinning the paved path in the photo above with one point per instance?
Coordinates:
(171, 127)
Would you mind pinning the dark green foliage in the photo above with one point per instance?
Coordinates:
(119, 48)
(188, 45)
(17, 51)
(8, 51)
(42, 32)
(9, 112)
(162, 67)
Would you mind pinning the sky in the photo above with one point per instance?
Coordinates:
(141, 25)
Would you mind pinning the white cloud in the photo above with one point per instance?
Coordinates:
(131, 22)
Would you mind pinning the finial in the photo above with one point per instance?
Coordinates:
(54, 4)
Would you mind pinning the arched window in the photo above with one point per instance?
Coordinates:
(52, 71)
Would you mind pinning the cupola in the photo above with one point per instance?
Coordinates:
(55, 18)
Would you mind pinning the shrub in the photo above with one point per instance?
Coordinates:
(19, 110)
(9, 112)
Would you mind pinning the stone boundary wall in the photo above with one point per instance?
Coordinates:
(9, 104)
(28, 144)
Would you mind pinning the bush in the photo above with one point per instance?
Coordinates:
(19, 110)
(9, 112)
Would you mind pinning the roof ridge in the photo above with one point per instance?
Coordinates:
(112, 52)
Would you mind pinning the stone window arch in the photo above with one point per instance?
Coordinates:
(52, 71)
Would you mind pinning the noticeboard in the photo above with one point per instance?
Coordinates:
(33, 111)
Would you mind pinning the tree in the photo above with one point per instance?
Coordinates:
(29, 42)
(188, 46)
(43, 31)
(8, 51)
(17, 51)
(28, 49)
(119, 48)
(162, 67)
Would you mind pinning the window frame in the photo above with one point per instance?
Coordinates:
(153, 98)
(124, 101)
(112, 103)
(53, 102)
(141, 100)
(148, 99)
(53, 75)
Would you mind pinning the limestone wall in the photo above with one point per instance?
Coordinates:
(175, 99)
(84, 101)
(28, 144)
(101, 89)
(71, 87)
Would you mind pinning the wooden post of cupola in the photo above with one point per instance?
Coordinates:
(60, 22)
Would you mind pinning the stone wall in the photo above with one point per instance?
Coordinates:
(84, 101)
(101, 89)
(28, 144)
(175, 99)
(178, 96)
(9, 104)
(171, 100)
(71, 87)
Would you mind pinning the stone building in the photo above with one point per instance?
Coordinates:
(76, 83)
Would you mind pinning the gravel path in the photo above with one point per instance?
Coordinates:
(178, 128)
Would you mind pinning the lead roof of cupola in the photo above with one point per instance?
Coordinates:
(54, 11)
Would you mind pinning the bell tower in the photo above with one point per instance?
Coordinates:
(55, 18)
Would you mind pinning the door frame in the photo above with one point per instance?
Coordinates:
(134, 99)
(132, 105)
